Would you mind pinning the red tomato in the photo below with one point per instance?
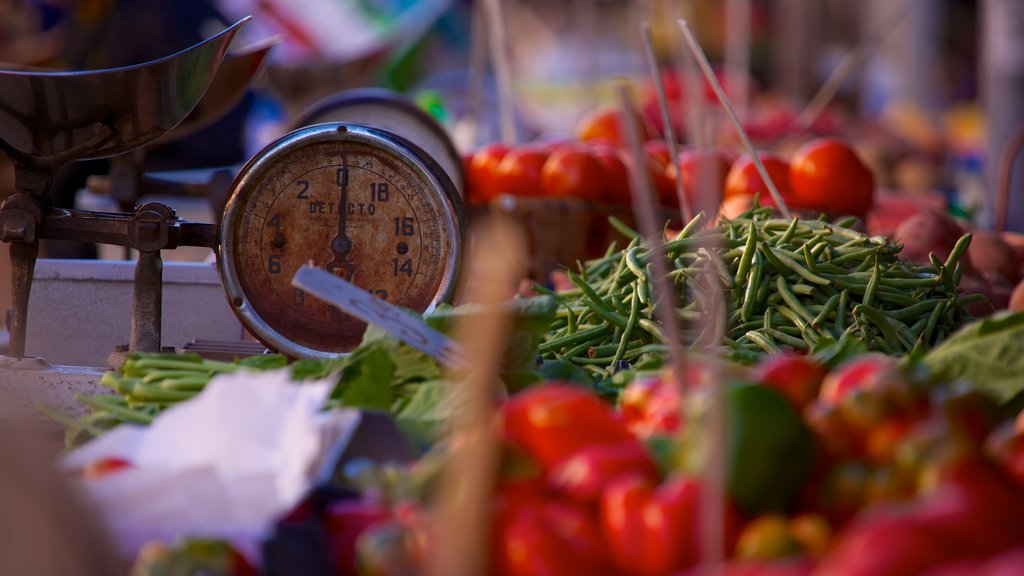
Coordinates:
(105, 467)
(659, 150)
(552, 422)
(858, 373)
(482, 173)
(546, 538)
(1006, 563)
(697, 167)
(826, 174)
(796, 376)
(744, 180)
(976, 506)
(1005, 445)
(886, 544)
(614, 171)
(519, 171)
(572, 172)
(883, 439)
(651, 406)
(605, 123)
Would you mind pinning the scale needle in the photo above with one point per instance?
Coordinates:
(341, 245)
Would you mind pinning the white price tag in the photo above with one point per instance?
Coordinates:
(368, 308)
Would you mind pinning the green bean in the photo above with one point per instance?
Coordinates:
(634, 264)
(800, 270)
(690, 226)
(599, 306)
(853, 255)
(573, 339)
(790, 341)
(878, 319)
(827, 309)
(914, 310)
(847, 222)
(958, 249)
(622, 228)
(933, 320)
(628, 331)
(788, 234)
(652, 328)
(812, 266)
(803, 289)
(750, 294)
(872, 288)
(763, 341)
(100, 402)
(791, 300)
(791, 315)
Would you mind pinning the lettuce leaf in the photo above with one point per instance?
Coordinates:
(988, 353)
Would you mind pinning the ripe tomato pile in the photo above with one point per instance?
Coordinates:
(823, 175)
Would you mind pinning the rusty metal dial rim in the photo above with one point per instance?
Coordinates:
(260, 166)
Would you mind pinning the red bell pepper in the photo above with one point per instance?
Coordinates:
(652, 530)
(553, 421)
(546, 538)
(585, 474)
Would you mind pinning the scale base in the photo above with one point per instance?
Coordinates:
(28, 381)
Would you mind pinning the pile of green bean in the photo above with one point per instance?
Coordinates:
(774, 283)
(145, 385)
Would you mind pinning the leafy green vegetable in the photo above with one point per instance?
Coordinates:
(366, 381)
(989, 353)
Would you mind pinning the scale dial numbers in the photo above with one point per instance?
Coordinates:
(357, 208)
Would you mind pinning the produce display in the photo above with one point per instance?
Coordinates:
(870, 393)
(792, 284)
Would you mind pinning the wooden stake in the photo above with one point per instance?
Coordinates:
(705, 65)
(467, 489)
(670, 133)
(644, 207)
(501, 60)
(850, 62)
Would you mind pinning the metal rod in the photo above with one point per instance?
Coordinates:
(23, 265)
(147, 303)
(705, 65)
(670, 133)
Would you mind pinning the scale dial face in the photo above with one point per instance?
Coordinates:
(359, 202)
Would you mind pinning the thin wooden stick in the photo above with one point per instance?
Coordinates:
(850, 63)
(705, 65)
(500, 58)
(694, 102)
(645, 209)
(468, 128)
(670, 133)
(737, 52)
(466, 492)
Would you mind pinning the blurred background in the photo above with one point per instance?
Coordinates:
(930, 103)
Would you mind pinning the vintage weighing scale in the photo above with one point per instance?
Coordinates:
(365, 203)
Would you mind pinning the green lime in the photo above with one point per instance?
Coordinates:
(771, 451)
